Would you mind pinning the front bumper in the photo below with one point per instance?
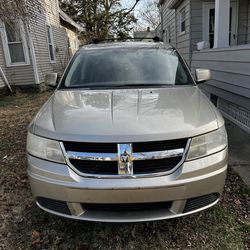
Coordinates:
(203, 177)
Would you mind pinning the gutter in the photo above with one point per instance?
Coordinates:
(190, 34)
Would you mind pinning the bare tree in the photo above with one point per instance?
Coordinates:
(149, 15)
(11, 10)
(101, 18)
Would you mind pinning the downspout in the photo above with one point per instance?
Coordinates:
(161, 14)
(248, 20)
(5, 80)
(190, 33)
(33, 58)
(175, 27)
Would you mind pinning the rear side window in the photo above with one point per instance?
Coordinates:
(126, 66)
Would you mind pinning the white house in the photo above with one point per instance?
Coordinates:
(27, 55)
(222, 29)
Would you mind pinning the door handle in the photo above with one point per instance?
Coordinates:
(234, 36)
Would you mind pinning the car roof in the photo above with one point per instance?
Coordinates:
(125, 45)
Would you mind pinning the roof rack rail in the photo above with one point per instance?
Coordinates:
(97, 40)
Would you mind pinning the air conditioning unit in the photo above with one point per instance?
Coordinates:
(202, 45)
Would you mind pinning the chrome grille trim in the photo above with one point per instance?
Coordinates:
(92, 156)
(184, 154)
(155, 155)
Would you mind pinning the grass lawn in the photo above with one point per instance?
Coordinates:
(24, 226)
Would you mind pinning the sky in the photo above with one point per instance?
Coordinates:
(129, 4)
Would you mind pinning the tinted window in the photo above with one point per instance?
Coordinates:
(126, 66)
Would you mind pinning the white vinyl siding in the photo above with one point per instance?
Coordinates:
(23, 74)
(248, 23)
(183, 38)
(242, 21)
(230, 75)
(2, 65)
(15, 44)
(173, 24)
(50, 17)
(168, 23)
(1, 83)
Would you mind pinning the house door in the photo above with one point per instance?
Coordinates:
(209, 23)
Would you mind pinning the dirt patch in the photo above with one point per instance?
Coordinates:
(25, 226)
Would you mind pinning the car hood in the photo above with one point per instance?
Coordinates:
(126, 115)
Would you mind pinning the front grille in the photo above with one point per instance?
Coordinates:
(124, 207)
(81, 156)
(54, 205)
(91, 147)
(111, 167)
(112, 147)
(159, 145)
(200, 202)
(155, 166)
(96, 167)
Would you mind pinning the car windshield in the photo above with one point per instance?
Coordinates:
(126, 67)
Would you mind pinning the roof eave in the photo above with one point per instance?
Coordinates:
(70, 21)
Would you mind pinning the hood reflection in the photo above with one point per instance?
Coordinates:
(130, 111)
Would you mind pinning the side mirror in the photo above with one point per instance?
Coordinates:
(202, 75)
(51, 80)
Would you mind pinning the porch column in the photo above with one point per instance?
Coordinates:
(221, 29)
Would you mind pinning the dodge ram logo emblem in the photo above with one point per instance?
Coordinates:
(125, 163)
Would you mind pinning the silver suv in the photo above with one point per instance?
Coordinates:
(127, 136)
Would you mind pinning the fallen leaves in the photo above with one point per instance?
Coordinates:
(36, 237)
(24, 226)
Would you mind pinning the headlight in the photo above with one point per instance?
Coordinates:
(207, 144)
(44, 148)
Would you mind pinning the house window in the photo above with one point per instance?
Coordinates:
(182, 21)
(51, 44)
(211, 27)
(14, 43)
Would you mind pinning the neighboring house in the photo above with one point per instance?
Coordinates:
(145, 35)
(222, 29)
(28, 54)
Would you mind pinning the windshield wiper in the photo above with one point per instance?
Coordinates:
(145, 85)
(115, 85)
(87, 86)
